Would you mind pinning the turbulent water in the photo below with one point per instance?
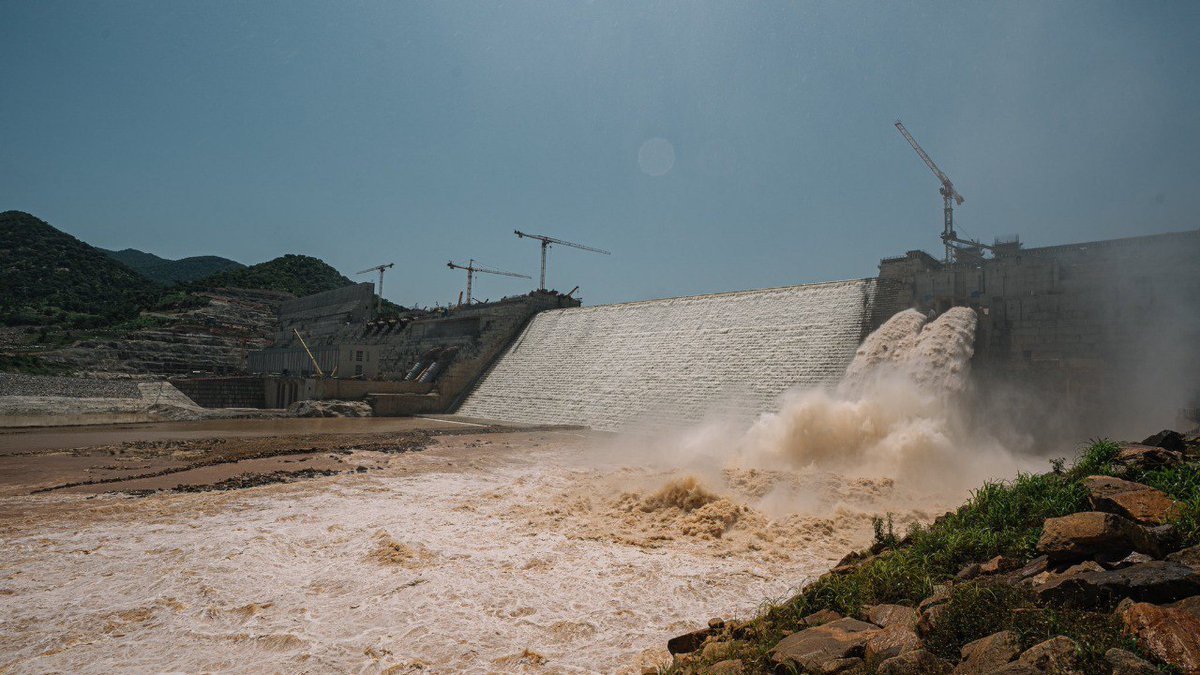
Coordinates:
(540, 552)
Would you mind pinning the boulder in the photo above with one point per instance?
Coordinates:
(1082, 535)
(1146, 456)
(1188, 556)
(1128, 663)
(812, 648)
(886, 616)
(689, 642)
(721, 650)
(1168, 633)
(1156, 581)
(1033, 567)
(999, 564)
(929, 619)
(892, 641)
(1056, 655)
(848, 666)
(1137, 502)
(726, 667)
(1167, 440)
(917, 662)
(1190, 605)
(988, 654)
(821, 618)
(1116, 561)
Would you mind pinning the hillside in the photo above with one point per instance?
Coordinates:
(299, 275)
(50, 277)
(170, 272)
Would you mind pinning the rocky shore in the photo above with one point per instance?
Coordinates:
(1088, 568)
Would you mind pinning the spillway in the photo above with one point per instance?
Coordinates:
(677, 359)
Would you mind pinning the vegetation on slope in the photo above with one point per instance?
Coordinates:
(1000, 519)
(299, 275)
(169, 272)
(52, 278)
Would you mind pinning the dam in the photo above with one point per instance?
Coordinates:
(678, 359)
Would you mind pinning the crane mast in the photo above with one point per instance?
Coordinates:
(950, 196)
(379, 291)
(546, 242)
(472, 268)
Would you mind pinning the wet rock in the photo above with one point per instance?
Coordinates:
(1188, 556)
(999, 564)
(1128, 663)
(917, 662)
(1156, 581)
(988, 654)
(820, 618)
(329, 409)
(688, 642)
(1167, 440)
(1168, 633)
(886, 616)
(1147, 456)
(889, 642)
(726, 667)
(1082, 535)
(1137, 502)
(811, 648)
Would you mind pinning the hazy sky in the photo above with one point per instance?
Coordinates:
(711, 146)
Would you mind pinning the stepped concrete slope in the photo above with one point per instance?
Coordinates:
(677, 359)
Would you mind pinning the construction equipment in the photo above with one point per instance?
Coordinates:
(546, 242)
(378, 291)
(950, 197)
(304, 344)
(472, 268)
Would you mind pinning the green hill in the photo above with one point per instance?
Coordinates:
(169, 272)
(50, 277)
(299, 275)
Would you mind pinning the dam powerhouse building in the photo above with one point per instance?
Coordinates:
(1089, 327)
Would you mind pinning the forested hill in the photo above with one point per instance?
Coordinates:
(48, 276)
(299, 275)
(166, 271)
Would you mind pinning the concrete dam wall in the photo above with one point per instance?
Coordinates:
(679, 359)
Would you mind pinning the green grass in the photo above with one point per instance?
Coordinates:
(1000, 518)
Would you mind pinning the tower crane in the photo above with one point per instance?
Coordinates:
(378, 291)
(546, 242)
(950, 196)
(472, 268)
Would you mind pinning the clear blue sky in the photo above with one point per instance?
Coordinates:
(419, 131)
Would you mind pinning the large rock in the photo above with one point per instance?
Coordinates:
(726, 667)
(1155, 581)
(1147, 456)
(1056, 655)
(1170, 634)
(1168, 440)
(988, 654)
(1137, 502)
(892, 641)
(812, 648)
(1128, 663)
(918, 662)
(886, 616)
(1188, 556)
(1082, 535)
(689, 642)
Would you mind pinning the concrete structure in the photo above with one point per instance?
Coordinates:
(1104, 331)
(679, 358)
